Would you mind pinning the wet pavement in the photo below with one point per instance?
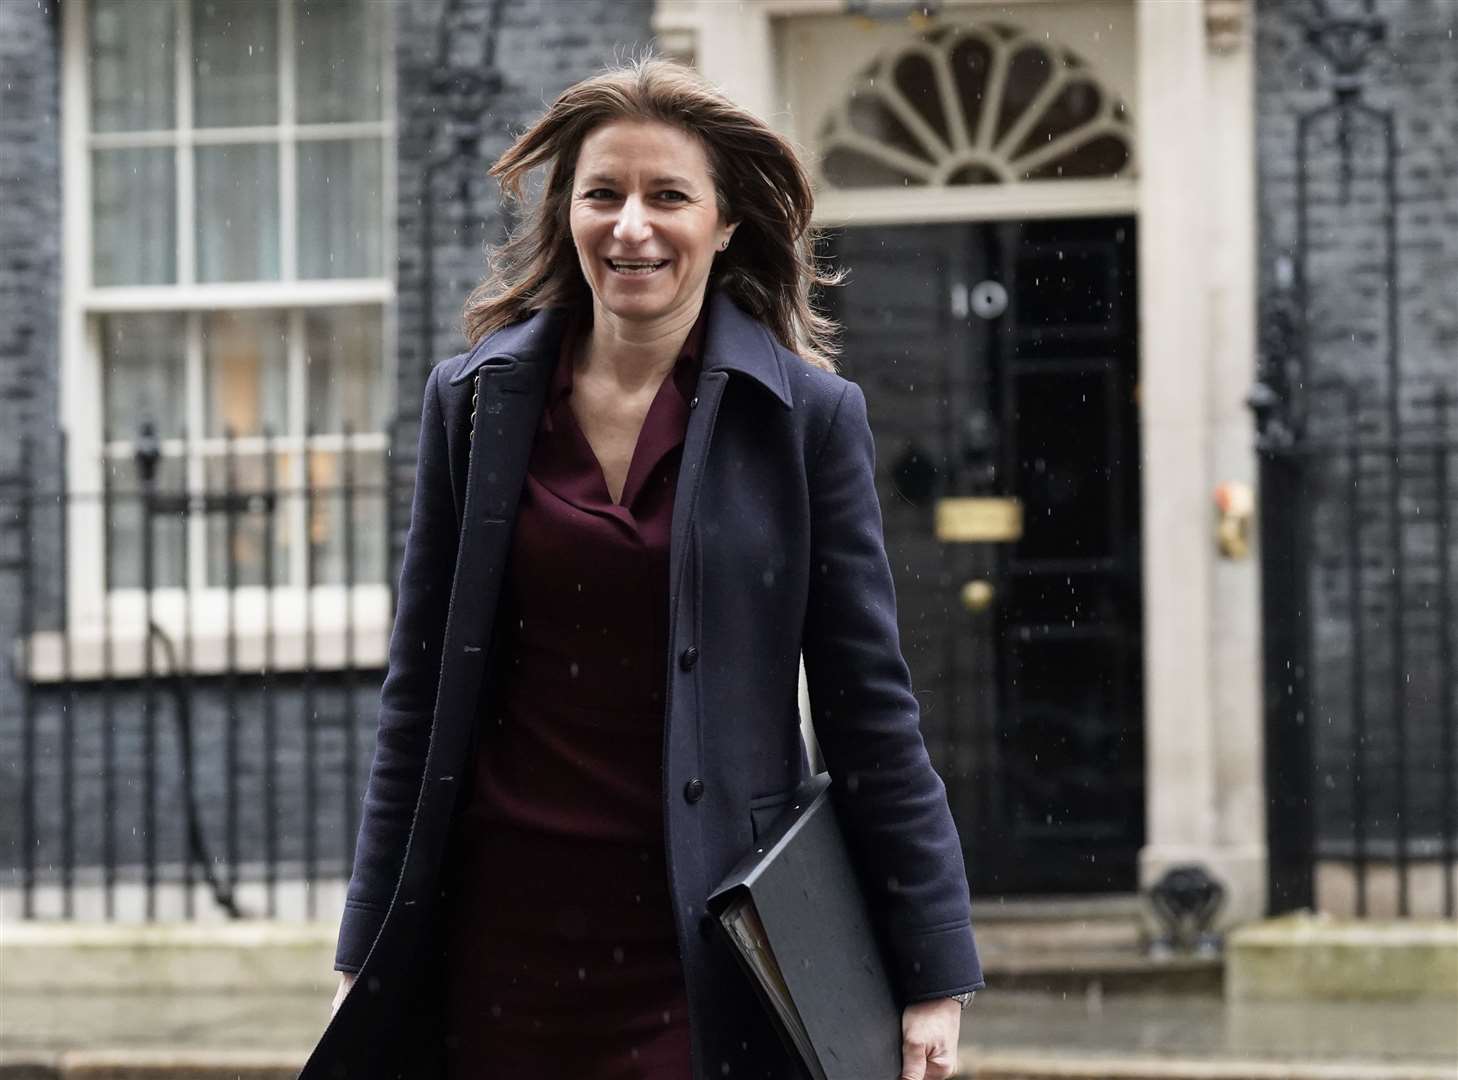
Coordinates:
(1174, 1035)
(1209, 1029)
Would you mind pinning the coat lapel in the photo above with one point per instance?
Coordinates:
(736, 343)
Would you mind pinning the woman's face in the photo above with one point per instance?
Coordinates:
(644, 218)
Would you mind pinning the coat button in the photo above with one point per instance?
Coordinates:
(694, 401)
(693, 791)
(688, 658)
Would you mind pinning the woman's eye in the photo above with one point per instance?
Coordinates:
(597, 193)
(672, 196)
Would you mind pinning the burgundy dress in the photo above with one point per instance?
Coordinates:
(562, 960)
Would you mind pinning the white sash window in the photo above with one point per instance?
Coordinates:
(229, 261)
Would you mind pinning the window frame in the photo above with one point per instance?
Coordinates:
(90, 609)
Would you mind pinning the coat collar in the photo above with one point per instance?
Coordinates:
(736, 342)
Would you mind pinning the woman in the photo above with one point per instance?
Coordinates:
(640, 496)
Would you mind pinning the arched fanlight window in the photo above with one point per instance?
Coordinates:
(975, 104)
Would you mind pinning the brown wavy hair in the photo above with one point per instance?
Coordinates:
(770, 267)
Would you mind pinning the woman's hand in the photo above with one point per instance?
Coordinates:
(346, 980)
(929, 1033)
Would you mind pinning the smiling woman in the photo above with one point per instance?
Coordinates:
(593, 683)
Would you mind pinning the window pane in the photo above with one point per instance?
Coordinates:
(245, 373)
(142, 374)
(237, 213)
(340, 57)
(134, 214)
(250, 545)
(346, 519)
(127, 523)
(235, 58)
(133, 47)
(341, 214)
(346, 376)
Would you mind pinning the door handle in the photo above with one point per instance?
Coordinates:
(977, 595)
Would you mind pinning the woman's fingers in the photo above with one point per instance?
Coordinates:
(929, 1035)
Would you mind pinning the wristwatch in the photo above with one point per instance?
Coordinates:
(964, 999)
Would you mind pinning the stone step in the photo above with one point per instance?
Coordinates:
(1081, 946)
(153, 1065)
(1021, 1066)
(972, 1065)
(1094, 972)
(1101, 906)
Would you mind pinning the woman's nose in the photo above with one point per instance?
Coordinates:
(632, 226)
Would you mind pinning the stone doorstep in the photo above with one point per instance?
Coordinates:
(1312, 957)
(1103, 971)
(1025, 1066)
(154, 1065)
(972, 1065)
(54, 956)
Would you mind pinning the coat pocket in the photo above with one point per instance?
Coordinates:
(764, 809)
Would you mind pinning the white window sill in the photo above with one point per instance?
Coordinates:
(321, 635)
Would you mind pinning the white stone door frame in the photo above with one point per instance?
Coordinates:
(1195, 201)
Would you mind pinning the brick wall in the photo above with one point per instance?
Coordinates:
(30, 273)
(1359, 359)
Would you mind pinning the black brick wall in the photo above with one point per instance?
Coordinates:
(1353, 275)
(30, 281)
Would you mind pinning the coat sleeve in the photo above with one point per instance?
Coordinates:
(891, 803)
(407, 697)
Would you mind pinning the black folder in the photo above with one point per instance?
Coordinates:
(798, 921)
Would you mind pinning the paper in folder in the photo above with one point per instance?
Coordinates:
(798, 921)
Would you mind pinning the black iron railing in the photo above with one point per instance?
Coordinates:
(191, 658)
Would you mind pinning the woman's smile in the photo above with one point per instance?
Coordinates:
(636, 267)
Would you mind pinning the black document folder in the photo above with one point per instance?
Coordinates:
(798, 921)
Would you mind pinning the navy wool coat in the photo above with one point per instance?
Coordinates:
(776, 547)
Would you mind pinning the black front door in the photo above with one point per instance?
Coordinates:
(999, 366)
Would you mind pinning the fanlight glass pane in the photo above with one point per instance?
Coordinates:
(1076, 104)
(237, 212)
(245, 373)
(341, 215)
(131, 65)
(134, 217)
(142, 374)
(972, 174)
(916, 79)
(874, 120)
(235, 62)
(343, 347)
(1027, 73)
(340, 54)
(971, 62)
(1103, 155)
